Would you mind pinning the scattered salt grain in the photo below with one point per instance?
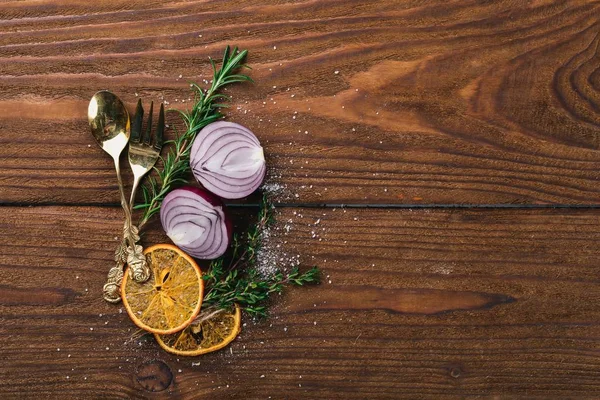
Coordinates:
(336, 72)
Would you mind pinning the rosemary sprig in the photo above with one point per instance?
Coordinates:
(239, 282)
(205, 110)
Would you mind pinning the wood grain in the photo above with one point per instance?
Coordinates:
(433, 102)
(413, 304)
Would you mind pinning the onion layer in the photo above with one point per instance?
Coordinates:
(227, 159)
(196, 222)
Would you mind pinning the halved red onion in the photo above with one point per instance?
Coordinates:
(196, 222)
(227, 159)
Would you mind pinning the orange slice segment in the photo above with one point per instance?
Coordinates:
(171, 299)
(203, 335)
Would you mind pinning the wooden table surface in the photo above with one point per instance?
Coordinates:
(438, 159)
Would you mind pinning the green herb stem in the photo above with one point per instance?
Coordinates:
(175, 165)
(240, 282)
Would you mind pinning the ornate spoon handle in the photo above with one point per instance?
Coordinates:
(128, 251)
(112, 287)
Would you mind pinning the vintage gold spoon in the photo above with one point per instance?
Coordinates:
(109, 122)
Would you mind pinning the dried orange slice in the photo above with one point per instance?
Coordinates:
(204, 335)
(171, 298)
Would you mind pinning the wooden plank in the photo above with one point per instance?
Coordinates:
(432, 102)
(414, 303)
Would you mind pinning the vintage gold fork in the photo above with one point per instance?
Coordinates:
(144, 151)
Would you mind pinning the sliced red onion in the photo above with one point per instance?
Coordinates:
(196, 222)
(227, 159)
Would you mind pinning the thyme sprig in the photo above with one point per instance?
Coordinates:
(237, 281)
(207, 103)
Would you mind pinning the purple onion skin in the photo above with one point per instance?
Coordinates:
(223, 184)
(215, 202)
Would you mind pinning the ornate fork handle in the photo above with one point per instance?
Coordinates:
(144, 151)
(132, 254)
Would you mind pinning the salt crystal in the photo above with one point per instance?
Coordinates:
(274, 47)
(336, 72)
(180, 76)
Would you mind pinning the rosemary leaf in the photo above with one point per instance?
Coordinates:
(205, 110)
(238, 281)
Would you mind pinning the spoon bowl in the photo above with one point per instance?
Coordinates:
(109, 121)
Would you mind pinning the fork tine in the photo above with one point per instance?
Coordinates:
(136, 124)
(148, 133)
(160, 129)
